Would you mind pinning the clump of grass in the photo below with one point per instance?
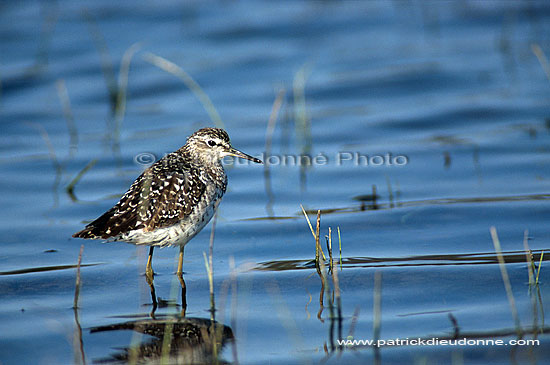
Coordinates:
(529, 258)
(57, 166)
(195, 88)
(531, 266)
(286, 318)
(329, 248)
(166, 342)
(233, 278)
(210, 270)
(106, 61)
(78, 344)
(340, 247)
(338, 298)
(533, 282)
(268, 143)
(353, 322)
(303, 127)
(335, 299)
(456, 328)
(70, 188)
(122, 87)
(373, 198)
(77, 284)
(50, 14)
(390, 191)
(318, 249)
(116, 89)
(538, 269)
(506, 280)
(63, 95)
(302, 121)
(537, 50)
(377, 306)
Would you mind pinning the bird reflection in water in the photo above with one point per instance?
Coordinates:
(171, 340)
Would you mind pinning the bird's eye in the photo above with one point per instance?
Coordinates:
(211, 143)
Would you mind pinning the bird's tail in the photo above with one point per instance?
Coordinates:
(85, 233)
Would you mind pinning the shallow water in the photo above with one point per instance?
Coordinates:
(455, 90)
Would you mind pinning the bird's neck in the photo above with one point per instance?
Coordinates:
(210, 166)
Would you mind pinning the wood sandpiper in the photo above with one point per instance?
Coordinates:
(173, 199)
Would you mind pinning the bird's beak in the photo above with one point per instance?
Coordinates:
(234, 152)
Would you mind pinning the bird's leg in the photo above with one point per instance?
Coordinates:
(183, 296)
(149, 268)
(179, 273)
(149, 277)
(153, 298)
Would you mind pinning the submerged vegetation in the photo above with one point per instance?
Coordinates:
(330, 290)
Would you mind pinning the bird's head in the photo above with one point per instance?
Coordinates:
(214, 144)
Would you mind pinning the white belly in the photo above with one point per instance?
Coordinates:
(177, 234)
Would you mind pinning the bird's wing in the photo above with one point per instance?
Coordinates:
(173, 198)
(165, 193)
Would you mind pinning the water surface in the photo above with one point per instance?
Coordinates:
(457, 89)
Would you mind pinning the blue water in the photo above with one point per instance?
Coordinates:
(457, 90)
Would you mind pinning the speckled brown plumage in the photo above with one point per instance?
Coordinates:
(172, 200)
(162, 195)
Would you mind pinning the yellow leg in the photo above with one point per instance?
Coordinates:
(180, 263)
(149, 268)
